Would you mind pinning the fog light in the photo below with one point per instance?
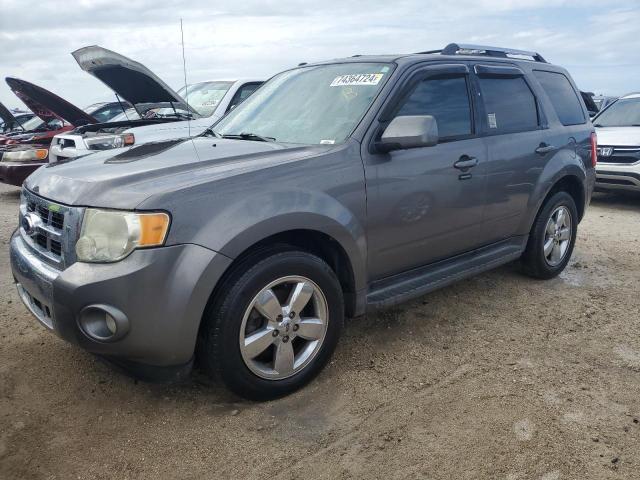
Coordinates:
(111, 323)
(103, 323)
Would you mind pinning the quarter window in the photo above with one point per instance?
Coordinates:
(509, 103)
(563, 97)
(447, 100)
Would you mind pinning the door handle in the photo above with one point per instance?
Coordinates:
(544, 148)
(465, 163)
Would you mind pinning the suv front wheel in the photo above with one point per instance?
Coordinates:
(552, 238)
(273, 325)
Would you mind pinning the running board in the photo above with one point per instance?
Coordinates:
(420, 281)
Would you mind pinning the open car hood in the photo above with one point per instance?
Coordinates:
(6, 115)
(47, 105)
(127, 78)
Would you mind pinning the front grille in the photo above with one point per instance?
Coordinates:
(619, 155)
(57, 220)
(49, 228)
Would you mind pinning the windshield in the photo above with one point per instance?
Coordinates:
(309, 105)
(623, 113)
(204, 97)
(128, 114)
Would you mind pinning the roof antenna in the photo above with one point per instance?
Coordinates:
(186, 88)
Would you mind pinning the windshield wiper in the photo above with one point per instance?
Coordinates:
(249, 136)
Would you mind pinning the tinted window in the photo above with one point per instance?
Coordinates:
(564, 98)
(446, 99)
(509, 104)
(243, 92)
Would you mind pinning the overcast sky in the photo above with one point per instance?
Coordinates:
(598, 41)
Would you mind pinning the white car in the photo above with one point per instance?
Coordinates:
(159, 113)
(618, 130)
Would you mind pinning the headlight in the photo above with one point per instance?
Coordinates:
(31, 155)
(107, 142)
(109, 235)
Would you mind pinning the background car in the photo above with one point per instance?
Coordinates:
(618, 129)
(11, 122)
(603, 101)
(22, 152)
(592, 108)
(162, 113)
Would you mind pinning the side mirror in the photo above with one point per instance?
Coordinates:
(409, 132)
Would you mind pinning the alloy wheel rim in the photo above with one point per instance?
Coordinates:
(557, 236)
(283, 327)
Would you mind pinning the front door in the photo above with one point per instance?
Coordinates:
(426, 204)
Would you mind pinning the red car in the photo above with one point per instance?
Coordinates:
(23, 152)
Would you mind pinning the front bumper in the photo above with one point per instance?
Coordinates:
(618, 177)
(162, 292)
(14, 173)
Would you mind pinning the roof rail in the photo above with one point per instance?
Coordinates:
(469, 49)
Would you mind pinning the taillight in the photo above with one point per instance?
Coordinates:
(594, 149)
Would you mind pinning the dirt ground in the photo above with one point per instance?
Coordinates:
(499, 376)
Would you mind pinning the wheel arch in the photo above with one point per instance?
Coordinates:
(571, 180)
(339, 257)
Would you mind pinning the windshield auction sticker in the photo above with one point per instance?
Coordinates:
(357, 79)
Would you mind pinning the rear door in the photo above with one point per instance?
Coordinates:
(512, 123)
(422, 206)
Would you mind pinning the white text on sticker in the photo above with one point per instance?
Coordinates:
(357, 79)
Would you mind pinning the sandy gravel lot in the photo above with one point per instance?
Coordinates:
(499, 376)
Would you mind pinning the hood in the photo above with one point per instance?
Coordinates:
(129, 79)
(47, 105)
(6, 115)
(127, 179)
(618, 136)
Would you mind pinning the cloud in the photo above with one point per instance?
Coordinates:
(597, 41)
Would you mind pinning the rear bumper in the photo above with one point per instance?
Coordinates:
(161, 294)
(14, 173)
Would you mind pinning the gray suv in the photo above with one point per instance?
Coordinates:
(337, 188)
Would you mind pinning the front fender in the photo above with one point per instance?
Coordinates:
(235, 228)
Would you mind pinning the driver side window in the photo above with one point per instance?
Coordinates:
(447, 100)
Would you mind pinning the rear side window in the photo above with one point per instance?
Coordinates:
(563, 97)
(446, 99)
(509, 103)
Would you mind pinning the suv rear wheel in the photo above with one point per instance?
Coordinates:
(552, 238)
(273, 325)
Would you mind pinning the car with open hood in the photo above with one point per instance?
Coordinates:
(23, 151)
(12, 122)
(618, 129)
(180, 114)
(337, 188)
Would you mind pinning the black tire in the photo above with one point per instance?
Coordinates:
(533, 261)
(218, 351)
